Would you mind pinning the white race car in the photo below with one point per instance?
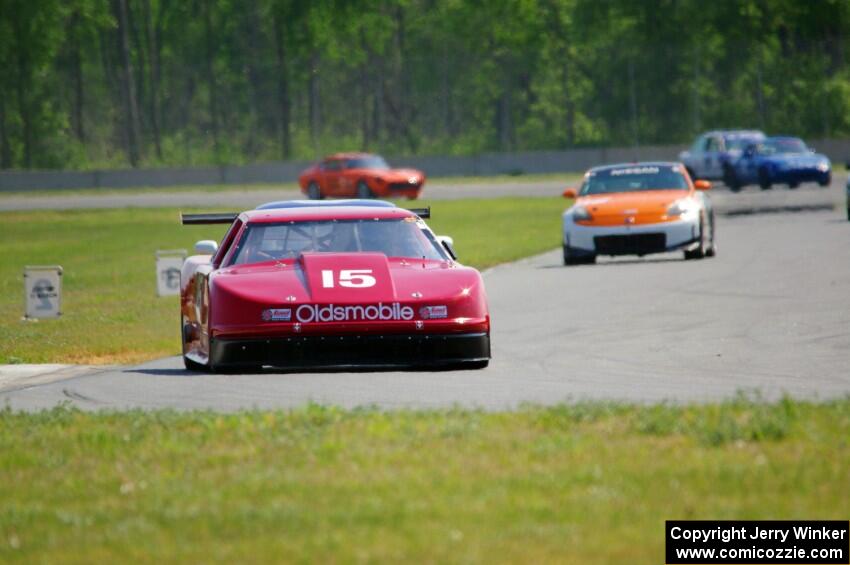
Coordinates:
(638, 209)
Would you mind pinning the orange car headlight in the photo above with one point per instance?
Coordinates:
(684, 207)
(580, 213)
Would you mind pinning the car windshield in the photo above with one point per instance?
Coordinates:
(373, 162)
(783, 145)
(636, 178)
(740, 142)
(405, 237)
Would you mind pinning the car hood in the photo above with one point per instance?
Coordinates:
(642, 207)
(399, 175)
(798, 159)
(240, 294)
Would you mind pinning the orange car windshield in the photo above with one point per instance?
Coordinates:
(367, 163)
(633, 179)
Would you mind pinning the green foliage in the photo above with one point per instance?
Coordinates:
(570, 483)
(218, 81)
(747, 418)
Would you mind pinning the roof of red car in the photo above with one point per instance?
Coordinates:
(353, 155)
(320, 213)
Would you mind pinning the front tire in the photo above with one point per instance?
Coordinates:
(314, 192)
(193, 366)
(731, 179)
(712, 248)
(702, 249)
(764, 179)
(185, 337)
(363, 191)
(570, 259)
(825, 180)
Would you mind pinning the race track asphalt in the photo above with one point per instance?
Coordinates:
(770, 314)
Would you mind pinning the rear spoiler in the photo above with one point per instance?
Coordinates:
(424, 213)
(229, 217)
(197, 219)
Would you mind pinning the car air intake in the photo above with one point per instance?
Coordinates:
(632, 244)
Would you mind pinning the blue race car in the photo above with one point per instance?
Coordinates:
(714, 153)
(780, 160)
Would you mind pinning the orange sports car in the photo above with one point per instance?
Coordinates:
(359, 175)
(638, 209)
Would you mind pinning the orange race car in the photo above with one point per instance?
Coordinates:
(359, 175)
(638, 209)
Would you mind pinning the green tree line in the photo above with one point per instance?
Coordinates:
(112, 83)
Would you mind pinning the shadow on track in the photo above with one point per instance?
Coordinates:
(615, 262)
(303, 370)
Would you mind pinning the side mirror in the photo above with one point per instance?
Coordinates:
(206, 247)
(448, 244)
(702, 185)
(570, 193)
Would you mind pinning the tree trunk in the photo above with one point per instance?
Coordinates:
(760, 94)
(76, 64)
(283, 90)
(403, 114)
(378, 100)
(364, 87)
(23, 89)
(128, 87)
(153, 75)
(633, 105)
(140, 68)
(315, 117)
(569, 104)
(503, 118)
(262, 102)
(449, 127)
(159, 25)
(211, 82)
(5, 150)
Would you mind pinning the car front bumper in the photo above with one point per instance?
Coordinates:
(398, 189)
(808, 174)
(630, 239)
(393, 350)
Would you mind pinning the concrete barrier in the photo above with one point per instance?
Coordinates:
(485, 164)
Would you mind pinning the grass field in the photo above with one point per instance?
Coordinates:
(587, 483)
(111, 312)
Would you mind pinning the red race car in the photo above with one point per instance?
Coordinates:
(330, 284)
(359, 175)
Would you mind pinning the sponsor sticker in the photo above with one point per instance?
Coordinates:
(635, 171)
(277, 315)
(433, 312)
